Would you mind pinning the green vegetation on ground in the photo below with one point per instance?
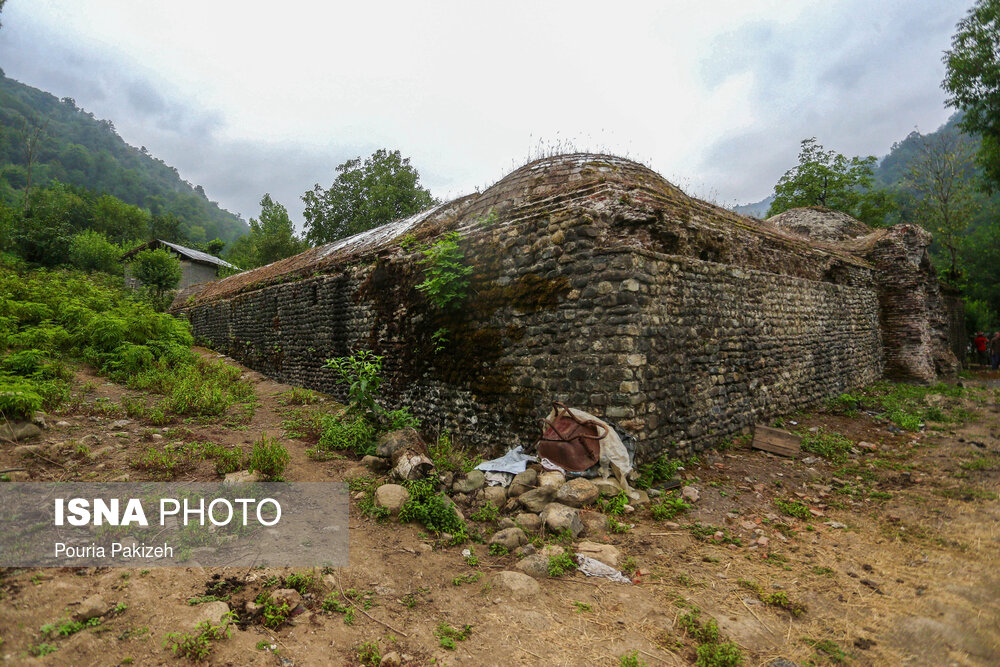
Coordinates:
(51, 318)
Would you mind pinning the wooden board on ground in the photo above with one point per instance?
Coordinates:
(776, 441)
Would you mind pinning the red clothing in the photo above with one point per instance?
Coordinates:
(981, 342)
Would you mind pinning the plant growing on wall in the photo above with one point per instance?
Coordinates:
(446, 276)
(361, 372)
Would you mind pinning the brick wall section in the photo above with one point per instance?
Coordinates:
(597, 284)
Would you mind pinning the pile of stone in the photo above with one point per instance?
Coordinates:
(536, 501)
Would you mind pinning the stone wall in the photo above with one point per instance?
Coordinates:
(596, 283)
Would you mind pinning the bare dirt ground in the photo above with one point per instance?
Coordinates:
(906, 574)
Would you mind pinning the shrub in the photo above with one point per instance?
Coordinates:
(668, 507)
(560, 565)
(91, 251)
(828, 444)
(431, 508)
(198, 646)
(269, 457)
(661, 470)
(361, 373)
(726, 654)
(793, 508)
(342, 432)
(446, 277)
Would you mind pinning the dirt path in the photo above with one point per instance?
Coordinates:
(910, 578)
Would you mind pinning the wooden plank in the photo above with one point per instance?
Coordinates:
(776, 441)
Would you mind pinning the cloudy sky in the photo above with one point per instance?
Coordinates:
(247, 97)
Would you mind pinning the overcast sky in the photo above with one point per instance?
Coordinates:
(250, 97)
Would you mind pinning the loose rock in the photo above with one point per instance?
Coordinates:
(536, 499)
(411, 464)
(19, 430)
(558, 518)
(536, 566)
(530, 522)
(518, 584)
(522, 482)
(391, 659)
(392, 497)
(577, 493)
(241, 477)
(471, 481)
(551, 478)
(375, 463)
(511, 538)
(496, 495)
(92, 607)
(288, 596)
(406, 438)
(594, 523)
(213, 612)
(690, 494)
(605, 553)
(607, 487)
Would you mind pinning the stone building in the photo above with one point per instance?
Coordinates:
(196, 266)
(599, 284)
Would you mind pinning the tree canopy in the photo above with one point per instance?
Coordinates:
(363, 196)
(942, 176)
(272, 237)
(159, 271)
(972, 81)
(829, 179)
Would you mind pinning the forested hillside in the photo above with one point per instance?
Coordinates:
(47, 139)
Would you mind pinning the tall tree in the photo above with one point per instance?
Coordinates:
(31, 133)
(363, 196)
(271, 238)
(941, 174)
(829, 179)
(972, 81)
(160, 272)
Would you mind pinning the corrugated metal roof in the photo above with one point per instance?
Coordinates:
(198, 255)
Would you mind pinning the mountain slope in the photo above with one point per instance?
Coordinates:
(75, 147)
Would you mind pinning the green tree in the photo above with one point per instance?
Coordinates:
(942, 176)
(972, 81)
(166, 227)
(159, 271)
(363, 196)
(91, 251)
(829, 179)
(118, 221)
(215, 246)
(272, 237)
(43, 233)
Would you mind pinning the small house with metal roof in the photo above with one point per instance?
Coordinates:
(196, 266)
